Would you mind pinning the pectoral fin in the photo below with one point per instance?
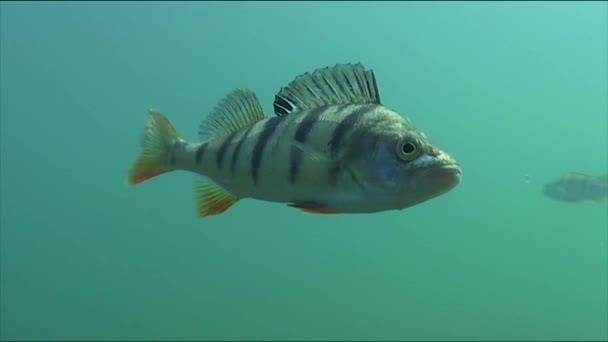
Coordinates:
(312, 208)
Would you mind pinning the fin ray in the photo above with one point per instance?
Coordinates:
(340, 84)
(236, 111)
(158, 138)
(212, 199)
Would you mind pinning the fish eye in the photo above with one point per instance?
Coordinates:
(407, 149)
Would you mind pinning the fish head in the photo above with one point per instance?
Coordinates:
(400, 164)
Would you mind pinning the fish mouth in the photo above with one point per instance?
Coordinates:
(437, 179)
(444, 176)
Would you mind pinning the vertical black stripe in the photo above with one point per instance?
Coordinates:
(258, 150)
(347, 124)
(200, 151)
(221, 152)
(300, 137)
(237, 150)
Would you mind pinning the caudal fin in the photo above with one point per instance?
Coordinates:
(158, 139)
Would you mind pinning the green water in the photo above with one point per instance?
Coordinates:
(509, 89)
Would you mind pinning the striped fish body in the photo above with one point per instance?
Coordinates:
(331, 147)
(577, 187)
(288, 158)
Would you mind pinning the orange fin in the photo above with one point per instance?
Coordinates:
(212, 199)
(158, 138)
(317, 211)
(312, 208)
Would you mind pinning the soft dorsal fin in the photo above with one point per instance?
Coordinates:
(340, 84)
(237, 110)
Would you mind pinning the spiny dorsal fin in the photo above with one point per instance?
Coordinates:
(340, 84)
(211, 199)
(237, 110)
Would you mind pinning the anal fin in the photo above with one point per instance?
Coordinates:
(212, 199)
(312, 208)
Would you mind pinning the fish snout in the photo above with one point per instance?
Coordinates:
(437, 175)
(440, 179)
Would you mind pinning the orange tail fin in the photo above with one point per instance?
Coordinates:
(158, 139)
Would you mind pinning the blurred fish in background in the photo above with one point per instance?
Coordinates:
(577, 187)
